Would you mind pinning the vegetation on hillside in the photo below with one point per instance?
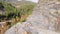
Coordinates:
(15, 14)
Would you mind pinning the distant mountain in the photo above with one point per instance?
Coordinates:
(19, 3)
(15, 4)
(9, 0)
(15, 0)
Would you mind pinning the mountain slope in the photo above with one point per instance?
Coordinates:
(42, 21)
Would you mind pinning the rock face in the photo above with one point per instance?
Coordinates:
(44, 20)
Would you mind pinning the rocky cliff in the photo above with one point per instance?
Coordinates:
(45, 19)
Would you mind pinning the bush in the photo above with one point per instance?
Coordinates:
(26, 9)
(11, 12)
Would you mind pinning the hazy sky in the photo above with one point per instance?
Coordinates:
(31, 0)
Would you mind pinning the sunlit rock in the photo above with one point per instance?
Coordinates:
(41, 21)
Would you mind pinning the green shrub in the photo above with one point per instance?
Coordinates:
(12, 12)
(26, 9)
(15, 14)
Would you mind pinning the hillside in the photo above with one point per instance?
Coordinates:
(44, 20)
(14, 7)
(22, 3)
(11, 15)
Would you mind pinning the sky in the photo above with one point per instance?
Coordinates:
(36, 1)
(33, 0)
